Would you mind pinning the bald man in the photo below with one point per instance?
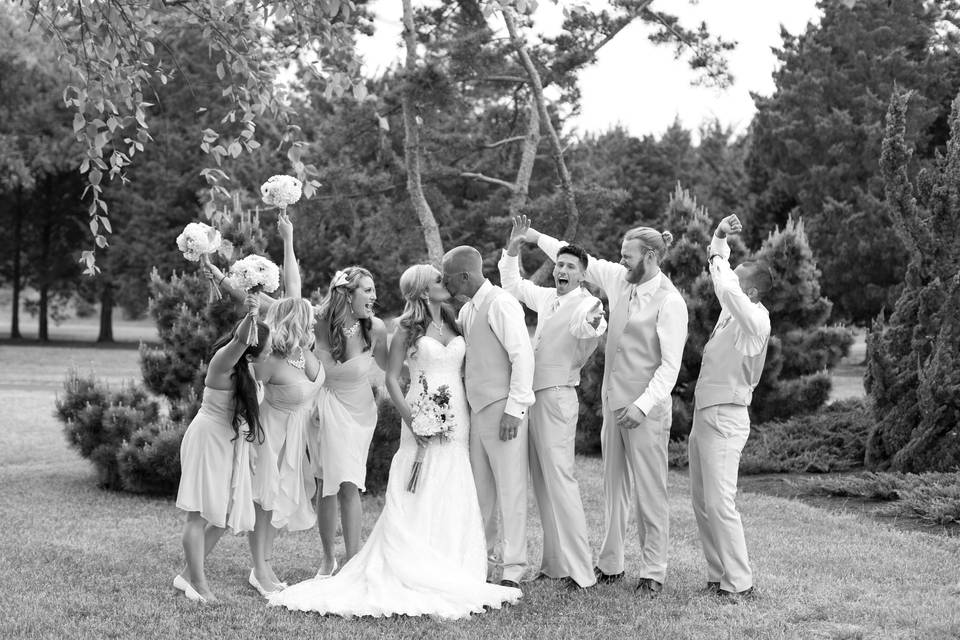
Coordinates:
(498, 376)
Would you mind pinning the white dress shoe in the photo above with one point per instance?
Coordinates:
(323, 576)
(256, 585)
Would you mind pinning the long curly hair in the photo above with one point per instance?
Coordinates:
(416, 316)
(246, 404)
(332, 313)
(291, 325)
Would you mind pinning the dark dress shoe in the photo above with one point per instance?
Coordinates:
(649, 587)
(737, 596)
(712, 588)
(509, 583)
(569, 584)
(607, 578)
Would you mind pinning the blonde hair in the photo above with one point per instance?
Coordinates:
(651, 239)
(290, 321)
(414, 283)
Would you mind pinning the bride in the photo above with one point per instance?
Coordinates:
(426, 554)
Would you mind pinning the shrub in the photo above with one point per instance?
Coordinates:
(150, 461)
(386, 441)
(933, 497)
(832, 439)
(98, 421)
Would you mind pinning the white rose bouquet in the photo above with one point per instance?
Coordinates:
(433, 419)
(254, 274)
(197, 241)
(281, 191)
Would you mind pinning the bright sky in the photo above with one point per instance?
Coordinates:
(641, 86)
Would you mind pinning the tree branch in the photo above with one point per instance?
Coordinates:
(500, 143)
(484, 178)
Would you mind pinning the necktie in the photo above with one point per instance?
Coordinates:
(633, 304)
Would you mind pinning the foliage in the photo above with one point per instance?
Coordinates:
(913, 355)
(815, 143)
(386, 441)
(832, 439)
(933, 497)
(98, 422)
(187, 324)
(149, 462)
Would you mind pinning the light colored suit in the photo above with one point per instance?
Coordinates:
(563, 341)
(732, 363)
(645, 338)
(498, 374)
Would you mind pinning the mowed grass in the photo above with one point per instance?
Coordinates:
(78, 562)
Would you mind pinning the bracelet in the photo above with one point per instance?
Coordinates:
(222, 278)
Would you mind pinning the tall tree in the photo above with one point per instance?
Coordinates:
(815, 143)
(913, 355)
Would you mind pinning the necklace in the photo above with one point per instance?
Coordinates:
(352, 330)
(300, 362)
(437, 325)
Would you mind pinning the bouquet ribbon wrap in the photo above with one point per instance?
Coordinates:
(215, 293)
(417, 466)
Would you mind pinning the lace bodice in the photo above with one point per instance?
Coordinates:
(441, 365)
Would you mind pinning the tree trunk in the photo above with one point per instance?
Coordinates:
(43, 333)
(106, 313)
(531, 141)
(17, 239)
(411, 145)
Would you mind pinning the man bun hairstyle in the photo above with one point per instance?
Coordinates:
(576, 251)
(651, 240)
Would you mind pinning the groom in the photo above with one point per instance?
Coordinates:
(498, 377)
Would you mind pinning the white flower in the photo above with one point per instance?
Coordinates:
(281, 191)
(198, 239)
(255, 271)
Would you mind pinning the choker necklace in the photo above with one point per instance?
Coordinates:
(352, 330)
(300, 362)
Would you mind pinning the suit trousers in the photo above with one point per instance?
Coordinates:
(716, 441)
(553, 431)
(500, 473)
(636, 457)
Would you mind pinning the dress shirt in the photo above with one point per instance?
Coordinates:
(752, 318)
(505, 316)
(671, 321)
(545, 300)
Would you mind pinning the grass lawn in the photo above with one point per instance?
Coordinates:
(78, 562)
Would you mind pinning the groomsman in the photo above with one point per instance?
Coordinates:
(645, 338)
(498, 375)
(569, 324)
(732, 363)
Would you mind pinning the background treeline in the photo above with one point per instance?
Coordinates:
(805, 177)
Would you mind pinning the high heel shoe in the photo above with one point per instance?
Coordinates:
(252, 580)
(323, 576)
(191, 594)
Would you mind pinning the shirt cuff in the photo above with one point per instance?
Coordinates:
(515, 409)
(719, 247)
(644, 403)
(506, 258)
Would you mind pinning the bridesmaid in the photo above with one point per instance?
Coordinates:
(214, 454)
(349, 339)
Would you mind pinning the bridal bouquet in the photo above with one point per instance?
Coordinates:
(197, 242)
(281, 191)
(432, 419)
(254, 274)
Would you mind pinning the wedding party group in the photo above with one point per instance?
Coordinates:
(288, 413)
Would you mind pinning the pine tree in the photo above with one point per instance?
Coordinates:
(913, 356)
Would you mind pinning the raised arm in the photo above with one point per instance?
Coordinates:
(509, 266)
(221, 365)
(751, 318)
(292, 285)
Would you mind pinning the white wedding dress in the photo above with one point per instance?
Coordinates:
(426, 554)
